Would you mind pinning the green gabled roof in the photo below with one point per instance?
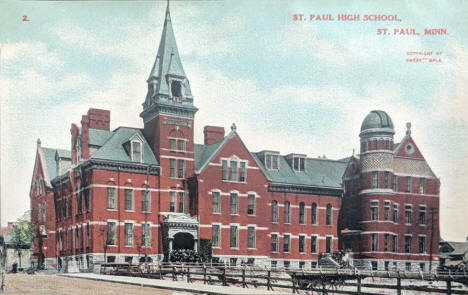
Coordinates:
(204, 153)
(98, 137)
(114, 150)
(318, 172)
(49, 164)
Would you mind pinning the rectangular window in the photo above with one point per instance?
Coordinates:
(375, 242)
(111, 198)
(387, 242)
(111, 233)
(252, 237)
(395, 183)
(395, 244)
(234, 171)
(234, 237)
(375, 210)
(409, 183)
(408, 240)
(136, 151)
(302, 213)
(286, 243)
(395, 213)
(423, 186)
(129, 200)
(181, 171)
(302, 244)
(299, 164)
(216, 202)
(275, 162)
(313, 244)
(243, 171)
(146, 241)
(225, 170)
(287, 264)
(234, 203)
(329, 217)
(274, 211)
(422, 215)
(314, 213)
(375, 179)
(387, 211)
(252, 205)
(422, 244)
(216, 235)
(181, 145)
(172, 144)
(274, 264)
(181, 205)
(408, 266)
(274, 243)
(268, 163)
(128, 234)
(173, 204)
(388, 179)
(172, 168)
(287, 212)
(409, 214)
(146, 206)
(329, 244)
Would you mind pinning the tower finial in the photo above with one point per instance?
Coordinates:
(233, 127)
(38, 142)
(408, 128)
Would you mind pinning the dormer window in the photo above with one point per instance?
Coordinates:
(136, 151)
(298, 163)
(272, 161)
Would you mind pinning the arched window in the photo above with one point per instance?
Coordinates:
(329, 214)
(314, 213)
(302, 213)
(287, 212)
(274, 211)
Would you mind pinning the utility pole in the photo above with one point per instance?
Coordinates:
(433, 211)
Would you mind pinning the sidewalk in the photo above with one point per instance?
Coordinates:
(172, 285)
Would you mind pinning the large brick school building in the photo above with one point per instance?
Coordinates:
(136, 194)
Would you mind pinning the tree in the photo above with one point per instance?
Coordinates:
(23, 235)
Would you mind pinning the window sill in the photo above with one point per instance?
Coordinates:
(216, 213)
(274, 222)
(234, 248)
(129, 246)
(129, 210)
(234, 181)
(113, 210)
(145, 212)
(251, 215)
(112, 246)
(252, 249)
(234, 214)
(216, 247)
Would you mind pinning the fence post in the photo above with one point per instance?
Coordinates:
(243, 278)
(398, 283)
(359, 285)
(204, 274)
(224, 276)
(293, 277)
(269, 287)
(449, 287)
(188, 274)
(174, 277)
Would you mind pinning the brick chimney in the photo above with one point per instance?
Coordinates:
(98, 119)
(213, 134)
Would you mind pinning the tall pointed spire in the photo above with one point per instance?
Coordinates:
(167, 82)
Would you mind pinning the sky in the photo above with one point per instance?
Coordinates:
(289, 86)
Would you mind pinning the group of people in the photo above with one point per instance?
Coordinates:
(184, 255)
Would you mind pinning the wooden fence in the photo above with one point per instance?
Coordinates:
(323, 281)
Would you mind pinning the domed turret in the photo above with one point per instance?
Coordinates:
(376, 122)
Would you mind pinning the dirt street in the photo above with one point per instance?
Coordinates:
(40, 284)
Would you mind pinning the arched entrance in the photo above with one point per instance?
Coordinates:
(183, 240)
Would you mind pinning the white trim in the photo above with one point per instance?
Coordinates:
(177, 158)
